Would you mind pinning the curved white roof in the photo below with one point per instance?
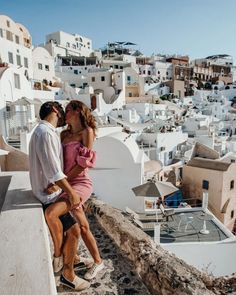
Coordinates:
(128, 142)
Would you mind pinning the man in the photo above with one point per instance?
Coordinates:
(45, 156)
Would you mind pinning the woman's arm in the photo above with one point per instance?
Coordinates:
(87, 140)
(76, 170)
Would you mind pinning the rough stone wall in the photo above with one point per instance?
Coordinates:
(162, 272)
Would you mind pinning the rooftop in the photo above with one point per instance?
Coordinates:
(186, 227)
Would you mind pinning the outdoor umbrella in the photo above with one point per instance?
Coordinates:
(154, 189)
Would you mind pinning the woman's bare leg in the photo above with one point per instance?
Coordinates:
(87, 235)
(70, 246)
(52, 214)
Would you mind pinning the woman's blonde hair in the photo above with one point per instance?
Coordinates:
(86, 117)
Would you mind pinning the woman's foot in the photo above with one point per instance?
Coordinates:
(83, 263)
(94, 270)
(77, 284)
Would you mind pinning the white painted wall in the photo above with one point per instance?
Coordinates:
(216, 259)
(41, 56)
(119, 168)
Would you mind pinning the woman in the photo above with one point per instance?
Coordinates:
(77, 141)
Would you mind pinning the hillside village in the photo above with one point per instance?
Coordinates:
(160, 118)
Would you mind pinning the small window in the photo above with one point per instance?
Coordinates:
(17, 39)
(170, 155)
(26, 62)
(116, 66)
(46, 67)
(149, 73)
(8, 23)
(18, 60)
(9, 35)
(76, 72)
(67, 44)
(40, 66)
(232, 214)
(1, 33)
(205, 184)
(102, 78)
(10, 57)
(93, 79)
(130, 94)
(231, 184)
(17, 81)
(128, 78)
(121, 67)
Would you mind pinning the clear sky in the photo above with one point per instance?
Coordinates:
(195, 27)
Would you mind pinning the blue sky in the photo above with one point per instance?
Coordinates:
(195, 27)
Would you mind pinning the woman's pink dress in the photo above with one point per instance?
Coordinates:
(74, 153)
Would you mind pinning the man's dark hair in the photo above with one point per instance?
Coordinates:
(47, 108)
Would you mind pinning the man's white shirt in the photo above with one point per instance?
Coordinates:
(46, 161)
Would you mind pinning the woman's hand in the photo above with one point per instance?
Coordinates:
(52, 188)
(75, 200)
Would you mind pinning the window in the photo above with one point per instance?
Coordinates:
(46, 67)
(17, 81)
(205, 184)
(18, 60)
(9, 35)
(10, 57)
(121, 67)
(8, 23)
(76, 72)
(102, 78)
(130, 94)
(170, 155)
(232, 214)
(116, 66)
(17, 39)
(128, 78)
(1, 33)
(93, 79)
(67, 44)
(26, 62)
(149, 73)
(40, 66)
(231, 184)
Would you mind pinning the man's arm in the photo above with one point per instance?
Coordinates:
(74, 198)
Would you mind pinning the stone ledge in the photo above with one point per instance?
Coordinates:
(163, 273)
(26, 266)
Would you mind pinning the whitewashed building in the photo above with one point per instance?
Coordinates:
(43, 65)
(65, 44)
(15, 45)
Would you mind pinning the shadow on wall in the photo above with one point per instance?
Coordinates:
(16, 160)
